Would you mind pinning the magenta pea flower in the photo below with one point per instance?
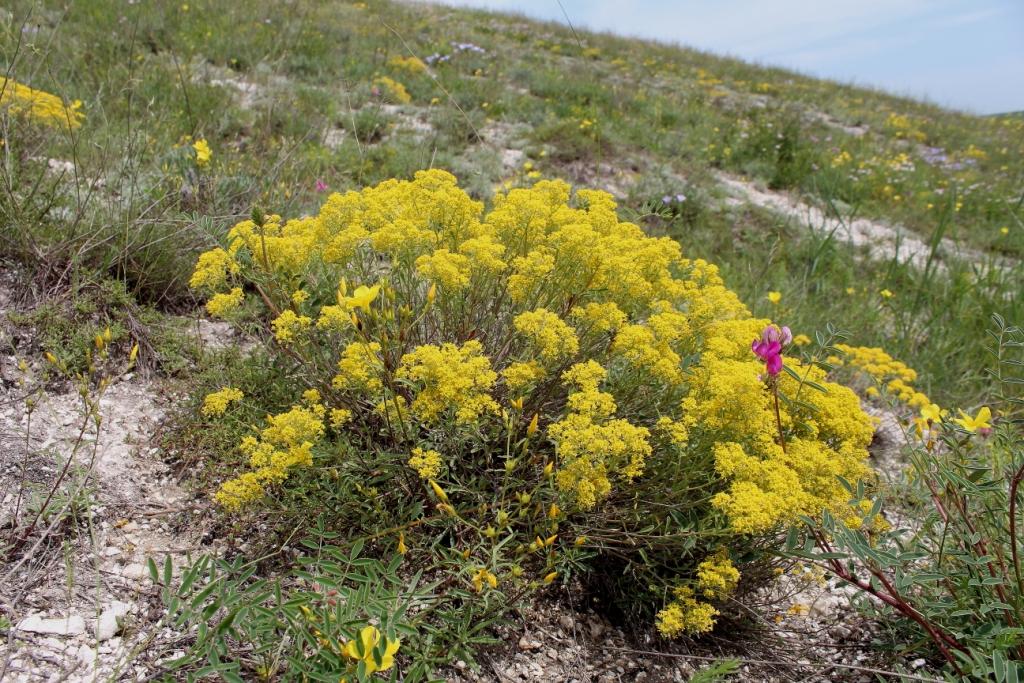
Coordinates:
(769, 347)
(321, 186)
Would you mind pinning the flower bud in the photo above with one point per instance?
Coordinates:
(439, 492)
(532, 428)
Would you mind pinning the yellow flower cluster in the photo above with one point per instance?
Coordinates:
(427, 463)
(220, 305)
(203, 152)
(553, 339)
(632, 351)
(772, 483)
(717, 577)
(393, 89)
(411, 64)
(289, 326)
(885, 370)
(685, 614)
(287, 441)
(39, 106)
(590, 444)
(450, 377)
(217, 403)
(360, 368)
(212, 270)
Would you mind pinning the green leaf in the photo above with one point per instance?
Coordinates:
(999, 666)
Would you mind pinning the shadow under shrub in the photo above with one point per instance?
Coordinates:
(516, 397)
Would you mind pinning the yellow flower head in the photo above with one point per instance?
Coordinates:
(932, 413)
(362, 297)
(979, 421)
(203, 153)
(775, 297)
(426, 463)
(363, 648)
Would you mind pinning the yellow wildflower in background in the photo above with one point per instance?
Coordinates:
(393, 90)
(39, 106)
(203, 153)
(411, 64)
(774, 297)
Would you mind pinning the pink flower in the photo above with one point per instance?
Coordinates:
(769, 347)
(321, 186)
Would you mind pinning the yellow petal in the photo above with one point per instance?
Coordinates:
(984, 415)
(369, 637)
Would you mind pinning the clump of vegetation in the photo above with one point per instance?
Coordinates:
(67, 326)
(512, 385)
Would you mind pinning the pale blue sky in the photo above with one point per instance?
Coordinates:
(967, 54)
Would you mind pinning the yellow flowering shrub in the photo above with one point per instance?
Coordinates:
(38, 105)
(413, 65)
(393, 90)
(895, 376)
(572, 370)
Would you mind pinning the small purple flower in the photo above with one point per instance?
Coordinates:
(321, 186)
(769, 347)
